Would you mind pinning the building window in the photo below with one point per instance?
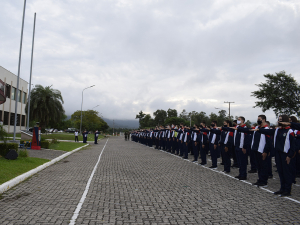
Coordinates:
(13, 93)
(6, 114)
(23, 119)
(24, 98)
(7, 90)
(18, 120)
(19, 95)
(12, 119)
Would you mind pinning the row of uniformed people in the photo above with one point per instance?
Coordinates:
(237, 141)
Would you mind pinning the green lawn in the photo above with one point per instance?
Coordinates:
(11, 135)
(13, 168)
(65, 136)
(66, 146)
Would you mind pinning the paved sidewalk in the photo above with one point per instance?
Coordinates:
(45, 153)
(134, 184)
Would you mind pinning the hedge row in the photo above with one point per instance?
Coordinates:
(4, 148)
(45, 144)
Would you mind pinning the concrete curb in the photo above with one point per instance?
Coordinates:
(13, 182)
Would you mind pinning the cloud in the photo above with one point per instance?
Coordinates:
(148, 55)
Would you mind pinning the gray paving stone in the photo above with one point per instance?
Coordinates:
(134, 184)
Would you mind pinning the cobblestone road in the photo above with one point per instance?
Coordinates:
(134, 184)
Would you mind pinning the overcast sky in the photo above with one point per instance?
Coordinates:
(153, 54)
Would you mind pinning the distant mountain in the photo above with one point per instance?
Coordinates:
(122, 123)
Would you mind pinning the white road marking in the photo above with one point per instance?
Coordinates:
(78, 208)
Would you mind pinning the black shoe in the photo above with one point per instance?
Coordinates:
(262, 185)
(252, 171)
(256, 183)
(202, 164)
(270, 177)
(278, 192)
(226, 171)
(194, 161)
(222, 164)
(243, 178)
(213, 167)
(238, 177)
(274, 166)
(285, 193)
(185, 157)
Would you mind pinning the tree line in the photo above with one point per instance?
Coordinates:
(280, 93)
(46, 107)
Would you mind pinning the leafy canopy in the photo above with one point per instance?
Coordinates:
(45, 105)
(280, 92)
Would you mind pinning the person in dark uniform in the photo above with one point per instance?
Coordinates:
(96, 136)
(84, 135)
(284, 145)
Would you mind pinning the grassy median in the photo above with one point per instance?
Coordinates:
(66, 146)
(10, 169)
(70, 137)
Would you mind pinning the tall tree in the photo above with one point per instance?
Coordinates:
(45, 105)
(184, 115)
(172, 113)
(280, 92)
(140, 116)
(90, 120)
(160, 116)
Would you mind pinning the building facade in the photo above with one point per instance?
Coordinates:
(7, 109)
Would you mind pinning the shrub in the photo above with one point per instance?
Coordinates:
(24, 141)
(43, 139)
(4, 148)
(45, 144)
(23, 153)
(54, 141)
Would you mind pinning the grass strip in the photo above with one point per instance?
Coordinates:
(66, 146)
(10, 169)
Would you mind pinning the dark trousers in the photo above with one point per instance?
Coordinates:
(297, 163)
(174, 145)
(76, 138)
(253, 160)
(269, 162)
(181, 148)
(196, 150)
(177, 146)
(185, 150)
(284, 171)
(156, 143)
(233, 154)
(243, 161)
(213, 154)
(96, 139)
(226, 157)
(203, 153)
(262, 168)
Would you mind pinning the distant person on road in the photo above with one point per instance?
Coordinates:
(96, 136)
(76, 136)
(84, 135)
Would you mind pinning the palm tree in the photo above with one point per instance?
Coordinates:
(45, 105)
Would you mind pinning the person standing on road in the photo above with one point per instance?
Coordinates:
(284, 144)
(96, 136)
(76, 136)
(84, 135)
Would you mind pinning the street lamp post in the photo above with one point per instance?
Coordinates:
(82, 104)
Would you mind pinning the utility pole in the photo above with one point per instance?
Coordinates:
(19, 68)
(229, 107)
(28, 112)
